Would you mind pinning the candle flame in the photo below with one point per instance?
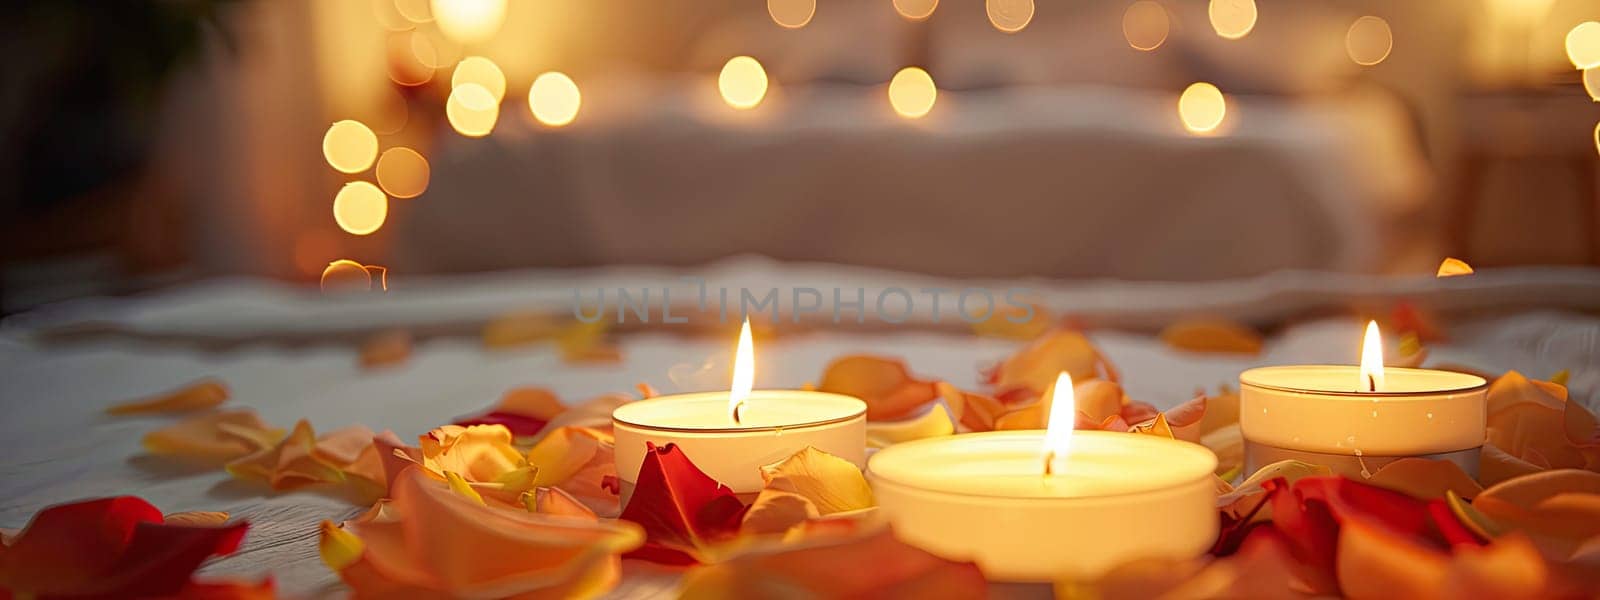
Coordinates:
(744, 372)
(1058, 429)
(1371, 359)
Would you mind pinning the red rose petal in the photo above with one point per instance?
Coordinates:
(681, 508)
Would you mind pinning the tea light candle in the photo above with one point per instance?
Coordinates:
(731, 435)
(1049, 505)
(1355, 419)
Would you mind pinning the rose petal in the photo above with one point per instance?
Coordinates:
(1495, 466)
(974, 412)
(1452, 267)
(683, 511)
(229, 590)
(883, 383)
(519, 329)
(1212, 336)
(430, 541)
(197, 518)
(832, 484)
(776, 512)
(554, 501)
(290, 464)
(1528, 491)
(213, 437)
(200, 395)
(578, 460)
(1261, 569)
(833, 567)
(1374, 563)
(1508, 569)
(931, 423)
(386, 349)
(1425, 479)
(1035, 367)
(480, 453)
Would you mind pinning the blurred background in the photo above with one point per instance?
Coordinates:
(148, 143)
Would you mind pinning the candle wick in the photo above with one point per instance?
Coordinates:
(737, 408)
(1049, 457)
(1372, 383)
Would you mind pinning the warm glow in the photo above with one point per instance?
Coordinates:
(403, 173)
(1058, 426)
(345, 275)
(744, 372)
(1369, 40)
(416, 11)
(1009, 16)
(472, 110)
(915, 10)
(1371, 359)
(1452, 267)
(554, 99)
(793, 14)
(350, 146)
(743, 82)
(482, 71)
(1202, 107)
(411, 58)
(1145, 25)
(1591, 83)
(1232, 19)
(360, 208)
(1583, 45)
(912, 92)
(469, 21)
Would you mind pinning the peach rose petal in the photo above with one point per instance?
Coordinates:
(1222, 410)
(1212, 336)
(518, 329)
(883, 383)
(972, 412)
(216, 437)
(1016, 322)
(555, 502)
(1453, 267)
(1425, 479)
(776, 512)
(480, 453)
(432, 542)
(585, 343)
(1374, 563)
(200, 395)
(594, 413)
(933, 422)
(833, 567)
(291, 464)
(1527, 492)
(1496, 465)
(1290, 470)
(1508, 569)
(1035, 367)
(386, 349)
(196, 518)
(832, 484)
(1261, 569)
(578, 460)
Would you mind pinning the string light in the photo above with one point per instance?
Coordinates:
(1232, 19)
(743, 82)
(469, 21)
(1145, 25)
(360, 208)
(1202, 107)
(916, 10)
(1009, 16)
(1583, 45)
(792, 14)
(554, 99)
(482, 71)
(349, 146)
(472, 110)
(403, 172)
(912, 92)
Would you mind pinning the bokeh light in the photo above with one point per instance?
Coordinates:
(1232, 19)
(792, 14)
(1202, 107)
(360, 208)
(416, 11)
(1369, 40)
(1009, 16)
(349, 146)
(1597, 137)
(411, 58)
(1145, 25)
(743, 82)
(469, 21)
(472, 110)
(912, 92)
(403, 172)
(1591, 83)
(389, 16)
(554, 99)
(482, 71)
(1583, 45)
(915, 10)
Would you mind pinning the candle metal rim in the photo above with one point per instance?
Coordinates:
(1143, 439)
(1482, 384)
(856, 414)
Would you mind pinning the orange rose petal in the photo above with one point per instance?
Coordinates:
(1452, 267)
(479, 453)
(290, 464)
(556, 502)
(1212, 336)
(1185, 419)
(1425, 479)
(1096, 398)
(1375, 563)
(1528, 491)
(1035, 367)
(227, 589)
(534, 402)
(196, 518)
(832, 567)
(1016, 323)
(883, 383)
(578, 460)
(775, 512)
(519, 329)
(1026, 417)
(972, 412)
(1508, 569)
(200, 395)
(386, 349)
(1495, 466)
(213, 437)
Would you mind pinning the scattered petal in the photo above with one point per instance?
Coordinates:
(1035, 367)
(479, 453)
(973, 412)
(933, 422)
(832, 484)
(554, 501)
(200, 395)
(883, 383)
(291, 464)
(1425, 479)
(1452, 267)
(197, 518)
(683, 511)
(387, 349)
(1212, 336)
(216, 437)
(832, 567)
(1016, 322)
(519, 329)
(578, 460)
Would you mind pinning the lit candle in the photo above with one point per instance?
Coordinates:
(1355, 419)
(731, 435)
(1049, 505)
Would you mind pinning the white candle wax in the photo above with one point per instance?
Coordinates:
(772, 426)
(984, 497)
(1327, 409)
